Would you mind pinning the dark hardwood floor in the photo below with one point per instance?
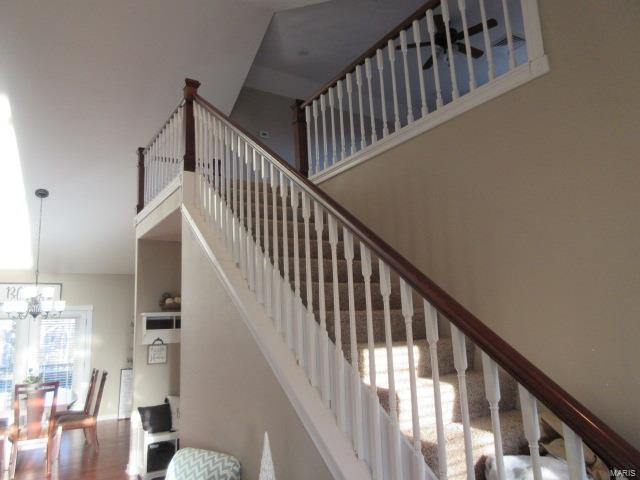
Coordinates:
(78, 460)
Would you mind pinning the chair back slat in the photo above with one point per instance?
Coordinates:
(103, 380)
(33, 397)
(90, 391)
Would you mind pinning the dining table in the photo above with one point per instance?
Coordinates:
(66, 398)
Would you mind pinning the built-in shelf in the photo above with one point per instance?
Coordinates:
(161, 325)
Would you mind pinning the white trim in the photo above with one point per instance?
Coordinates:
(166, 192)
(503, 84)
(319, 422)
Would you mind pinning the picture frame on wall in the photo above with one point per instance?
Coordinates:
(157, 352)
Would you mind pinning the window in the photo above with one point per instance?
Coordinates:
(58, 350)
(7, 357)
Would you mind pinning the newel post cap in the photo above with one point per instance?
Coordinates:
(190, 88)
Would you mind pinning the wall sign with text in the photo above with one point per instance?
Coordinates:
(11, 291)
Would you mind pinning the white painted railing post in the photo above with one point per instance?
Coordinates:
(575, 454)
(250, 246)
(297, 301)
(307, 117)
(324, 337)
(325, 149)
(318, 169)
(363, 136)
(488, 48)
(350, 101)
(312, 359)
(406, 296)
(492, 391)
(391, 51)
(532, 33)
(276, 278)
(394, 428)
(531, 424)
(417, 38)
(241, 225)
(372, 113)
(258, 256)
(431, 326)
(507, 26)
(285, 284)
(339, 395)
(452, 69)
(383, 104)
(405, 65)
(343, 151)
(460, 363)
(462, 6)
(334, 158)
(374, 416)
(356, 396)
(268, 268)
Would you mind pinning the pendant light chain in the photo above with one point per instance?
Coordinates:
(38, 251)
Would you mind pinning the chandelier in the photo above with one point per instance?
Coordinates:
(34, 300)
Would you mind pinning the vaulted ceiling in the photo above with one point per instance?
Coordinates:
(82, 84)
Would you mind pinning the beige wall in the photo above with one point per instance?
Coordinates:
(112, 299)
(527, 208)
(157, 271)
(229, 395)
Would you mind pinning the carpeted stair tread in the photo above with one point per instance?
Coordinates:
(343, 298)
(513, 442)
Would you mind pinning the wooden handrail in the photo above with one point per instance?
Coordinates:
(140, 204)
(393, 33)
(611, 447)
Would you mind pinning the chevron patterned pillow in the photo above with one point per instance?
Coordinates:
(196, 464)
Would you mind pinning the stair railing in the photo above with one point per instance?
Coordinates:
(424, 71)
(262, 208)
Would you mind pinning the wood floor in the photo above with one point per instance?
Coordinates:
(78, 460)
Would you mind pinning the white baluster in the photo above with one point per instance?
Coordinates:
(575, 454)
(285, 284)
(363, 136)
(276, 279)
(307, 116)
(228, 178)
(417, 38)
(372, 113)
(436, 72)
(394, 431)
(324, 338)
(380, 63)
(337, 326)
(452, 68)
(391, 50)
(333, 127)
(407, 87)
(507, 25)
(298, 307)
(406, 296)
(250, 239)
(356, 396)
(312, 363)
(431, 326)
(241, 227)
(315, 126)
(462, 6)
(488, 49)
(532, 29)
(492, 391)
(267, 268)
(351, 127)
(234, 199)
(323, 107)
(258, 256)
(374, 420)
(460, 363)
(531, 424)
(343, 151)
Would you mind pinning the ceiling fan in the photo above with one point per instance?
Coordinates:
(457, 38)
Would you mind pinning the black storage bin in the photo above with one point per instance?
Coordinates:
(159, 456)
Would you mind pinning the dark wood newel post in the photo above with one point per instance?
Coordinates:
(140, 205)
(190, 90)
(300, 138)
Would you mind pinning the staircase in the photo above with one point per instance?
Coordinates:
(417, 385)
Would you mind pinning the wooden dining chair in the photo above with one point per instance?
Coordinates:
(86, 421)
(35, 428)
(88, 400)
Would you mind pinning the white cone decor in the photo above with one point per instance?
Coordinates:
(266, 464)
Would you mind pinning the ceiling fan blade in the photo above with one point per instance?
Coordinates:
(491, 23)
(475, 52)
(413, 45)
(428, 64)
